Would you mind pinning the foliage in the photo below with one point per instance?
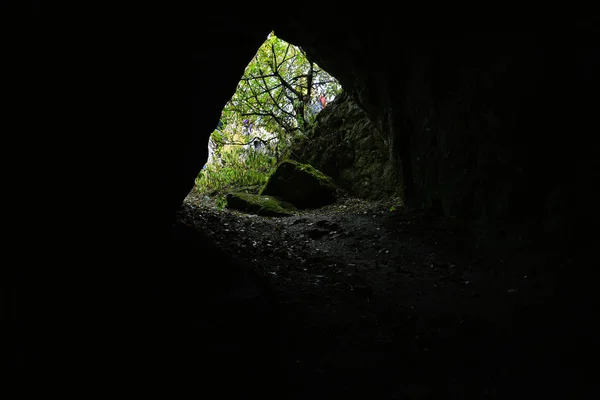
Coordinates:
(233, 167)
(279, 87)
(275, 102)
(397, 205)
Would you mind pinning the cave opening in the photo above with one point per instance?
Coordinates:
(370, 294)
(275, 106)
(366, 286)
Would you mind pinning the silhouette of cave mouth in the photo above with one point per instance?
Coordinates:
(475, 124)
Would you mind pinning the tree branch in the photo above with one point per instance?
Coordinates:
(284, 56)
(252, 78)
(287, 85)
(249, 142)
(299, 77)
(276, 103)
(274, 66)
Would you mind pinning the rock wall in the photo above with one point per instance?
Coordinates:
(345, 145)
(115, 108)
(490, 125)
(483, 126)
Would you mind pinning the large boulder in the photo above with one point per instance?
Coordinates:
(300, 184)
(267, 206)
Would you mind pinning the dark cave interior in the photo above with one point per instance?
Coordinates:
(489, 127)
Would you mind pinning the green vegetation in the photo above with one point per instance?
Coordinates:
(397, 205)
(280, 90)
(262, 205)
(300, 184)
(309, 169)
(276, 101)
(320, 177)
(238, 168)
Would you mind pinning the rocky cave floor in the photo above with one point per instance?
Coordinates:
(395, 304)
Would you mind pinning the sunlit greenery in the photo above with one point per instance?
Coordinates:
(277, 99)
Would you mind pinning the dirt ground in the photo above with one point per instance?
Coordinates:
(396, 304)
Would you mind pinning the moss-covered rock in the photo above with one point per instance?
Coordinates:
(267, 206)
(300, 184)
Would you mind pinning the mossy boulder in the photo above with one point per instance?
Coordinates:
(267, 206)
(300, 184)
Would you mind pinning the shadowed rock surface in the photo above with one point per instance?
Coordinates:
(346, 146)
(300, 184)
(490, 127)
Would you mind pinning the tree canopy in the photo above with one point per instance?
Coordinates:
(280, 89)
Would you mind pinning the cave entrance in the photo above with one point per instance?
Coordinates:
(276, 104)
(358, 281)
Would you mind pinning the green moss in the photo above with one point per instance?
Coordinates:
(300, 184)
(309, 169)
(261, 205)
(323, 179)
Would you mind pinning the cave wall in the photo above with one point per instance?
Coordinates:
(115, 105)
(120, 105)
(485, 126)
(159, 90)
(475, 121)
(345, 145)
